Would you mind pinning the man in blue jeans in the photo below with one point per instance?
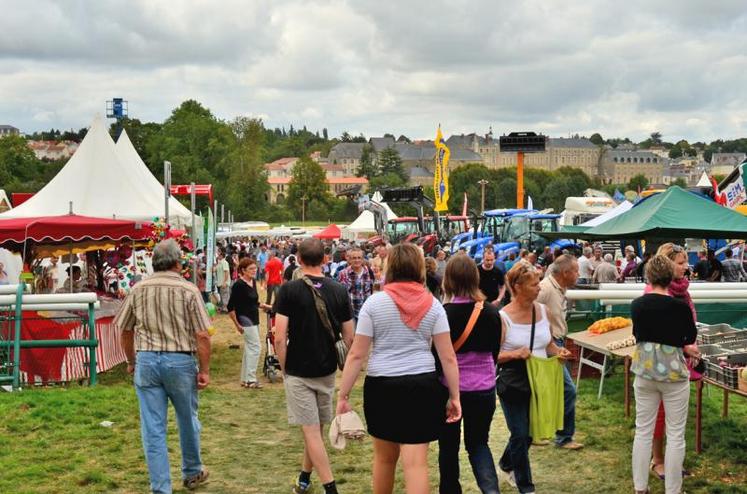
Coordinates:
(561, 275)
(164, 323)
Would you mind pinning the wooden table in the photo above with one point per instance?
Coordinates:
(699, 406)
(587, 341)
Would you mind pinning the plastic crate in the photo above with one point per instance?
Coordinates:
(728, 374)
(716, 333)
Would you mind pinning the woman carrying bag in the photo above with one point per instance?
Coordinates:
(404, 403)
(476, 338)
(526, 334)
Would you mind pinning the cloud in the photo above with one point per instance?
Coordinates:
(618, 68)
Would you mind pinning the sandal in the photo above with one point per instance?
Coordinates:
(660, 476)
(254, 385)
(194, 482)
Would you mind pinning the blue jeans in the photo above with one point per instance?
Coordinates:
(569, 403)
(478, 408)
(516, 455)
(160, 377)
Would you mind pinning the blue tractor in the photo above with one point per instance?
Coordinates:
(524, 231)
(491, 231)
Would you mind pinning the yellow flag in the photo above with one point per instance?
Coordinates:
(441, 173)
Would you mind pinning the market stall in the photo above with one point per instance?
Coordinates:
(108, 246)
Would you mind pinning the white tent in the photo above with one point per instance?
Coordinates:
(618, 210)
(364, 223)
(97, 183)
(704, 181)
(133, 164)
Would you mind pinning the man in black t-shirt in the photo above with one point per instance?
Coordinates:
(306, 350)
(492, 279)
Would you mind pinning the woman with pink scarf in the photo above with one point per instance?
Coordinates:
(404, 403)
(678, 288)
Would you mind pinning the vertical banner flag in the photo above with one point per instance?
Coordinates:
(210, 252)
(441, 173)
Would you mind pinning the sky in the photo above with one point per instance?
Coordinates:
(623, 69)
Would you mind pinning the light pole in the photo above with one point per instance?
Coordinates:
(303, 210)
(482, 183)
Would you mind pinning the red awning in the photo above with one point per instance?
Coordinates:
(331, 232)
(71, 228)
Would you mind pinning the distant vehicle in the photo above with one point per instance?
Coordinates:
(490, 231)
(524, 231)
(579, 210)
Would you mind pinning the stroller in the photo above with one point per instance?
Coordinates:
(271, 366)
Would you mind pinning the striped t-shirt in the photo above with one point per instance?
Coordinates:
(397, 349)
(165, 311)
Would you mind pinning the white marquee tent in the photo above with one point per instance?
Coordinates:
(132, 162)
(99, 183)
(364, 223)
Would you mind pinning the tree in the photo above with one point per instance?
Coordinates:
(385, 181)
(680, 182)
(597, 139)
(675, 152)
(655, 137)
(367, 166)
(638, 182)
(247, 187)
(556, 192)
(307, 182)
(389, 161)
(17, 161)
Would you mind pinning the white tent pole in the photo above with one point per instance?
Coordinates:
(166, 189)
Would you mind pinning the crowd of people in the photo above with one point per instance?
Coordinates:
(441, 333)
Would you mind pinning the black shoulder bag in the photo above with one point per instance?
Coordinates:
(512, 380)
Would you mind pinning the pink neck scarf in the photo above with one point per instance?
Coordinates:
(412, 299)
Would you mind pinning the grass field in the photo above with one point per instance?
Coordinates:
(51, 441)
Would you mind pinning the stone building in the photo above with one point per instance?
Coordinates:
(618, 167)
(8, 130)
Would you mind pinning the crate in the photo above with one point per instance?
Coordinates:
(716, 333)
(728, 375)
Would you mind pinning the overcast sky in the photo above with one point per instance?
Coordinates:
(561, 67)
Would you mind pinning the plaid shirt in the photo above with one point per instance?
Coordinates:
(732, 270)
(360, 286)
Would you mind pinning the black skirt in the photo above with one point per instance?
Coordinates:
(405, 409)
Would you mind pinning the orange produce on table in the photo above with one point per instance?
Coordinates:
(609, 324)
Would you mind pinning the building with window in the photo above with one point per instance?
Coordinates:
(280, 172)
(8, 130)
(619, 166)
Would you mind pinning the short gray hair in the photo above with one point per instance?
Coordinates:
(587, 251)
(563, 263)
(608, 257)
(166, 255)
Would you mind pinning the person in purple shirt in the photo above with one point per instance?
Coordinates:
(476, 358)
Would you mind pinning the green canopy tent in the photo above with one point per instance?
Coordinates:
(675, 213)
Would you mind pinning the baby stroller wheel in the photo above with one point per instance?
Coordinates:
(272, 375)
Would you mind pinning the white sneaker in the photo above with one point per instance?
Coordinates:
(508, 477)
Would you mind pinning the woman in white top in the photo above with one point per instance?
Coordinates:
(513, 384)
(404, 403)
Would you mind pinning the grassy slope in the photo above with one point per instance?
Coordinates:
(51, 441)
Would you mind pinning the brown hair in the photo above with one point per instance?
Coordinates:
(659, 270)
(244, 264)
(405, 263)
(519, 274)
(430, 265)
(311, 252)
(461, 278)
